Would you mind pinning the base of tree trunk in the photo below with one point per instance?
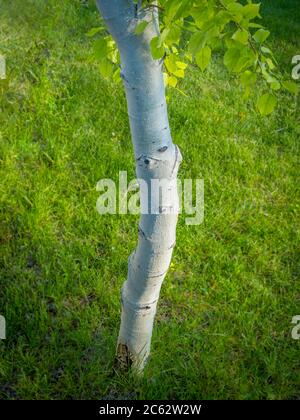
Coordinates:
(126, 362)
(123, 359)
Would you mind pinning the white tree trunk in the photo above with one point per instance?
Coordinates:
(156, 158)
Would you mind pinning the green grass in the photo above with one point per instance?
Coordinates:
(223, 328)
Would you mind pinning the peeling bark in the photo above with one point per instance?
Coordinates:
(157, 158)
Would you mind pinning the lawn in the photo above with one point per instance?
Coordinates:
(223, 328)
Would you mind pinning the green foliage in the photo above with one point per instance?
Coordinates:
(203, 57)
(141, 27)
(157, 48)
(192, 30)
(266, 104)
(106, 54)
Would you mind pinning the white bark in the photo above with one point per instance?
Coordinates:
(156, 158)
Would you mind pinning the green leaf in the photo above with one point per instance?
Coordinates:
(94, 31)
(141, 27)
(267, 76)
(237, 59)
(181, 65)
(203, 15)
(179, 73)
(176, 9)
(261, 35)
(251, 11)
(172, 81)
(270, 64)
(184, 9)
(164, 34)
(275, 85)
(197, 41)
(234, 7)
(100, 49)
(231, 57)
(117, 75)
(171, 34)
(157, 50)
(240, 36)
(248, 78)
(203, 58)
(266, 104)
(254, 25)
(170, 63)
(106, 69)
(290, 86)
(266, 50)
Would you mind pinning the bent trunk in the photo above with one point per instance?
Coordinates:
(157, 158)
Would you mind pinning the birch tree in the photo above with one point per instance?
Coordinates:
(149, 45)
